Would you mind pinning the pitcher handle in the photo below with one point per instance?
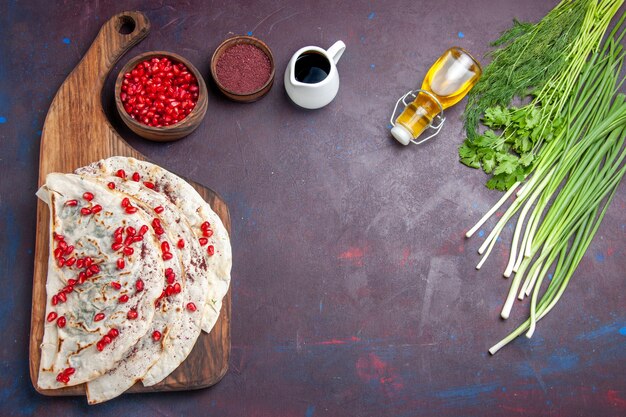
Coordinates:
(336, 50)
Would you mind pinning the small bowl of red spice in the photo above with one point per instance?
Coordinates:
(160, 96)
(243, 68)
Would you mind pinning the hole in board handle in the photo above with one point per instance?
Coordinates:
(126, 25)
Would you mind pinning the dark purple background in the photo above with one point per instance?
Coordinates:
(354, 290)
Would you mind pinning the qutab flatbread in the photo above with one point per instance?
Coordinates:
(138, 266)
(174, 328)
(95, 312)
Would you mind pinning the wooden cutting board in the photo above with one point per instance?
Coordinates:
(76, 132)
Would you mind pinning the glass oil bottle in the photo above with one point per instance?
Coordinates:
(450, 78)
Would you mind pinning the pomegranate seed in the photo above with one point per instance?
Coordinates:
(119, 230)
(132, 314)
(139, 285)
(116, 285)
(156, 335)
(191, 307)
(120, 263)
(61, 296)
(128, 250)
(180, 244)
(203, 241)
(205, 225)
(167, 256)
(113, 333)
(169, 271)
(120, 173)
(176, 288)
(82, 277)
(165, 247)
(149, 184)
(130, 231)
(171, 279)
(117, 246)
(69, 371)
(118, 238)
(100, 346)
(88, 196)
(62, 245)
(98, 317)
(71, 282)
(80, 263)
(210, 250)
(131, 210)
(158, 209)
(88, 261)
(68, 289)
(106, 340)
(85, 211)
(96, 209)
(207, 233)
(136, 176)
(58, 252)
(169, 290)
(88, 273)
(111, 185)
(94, 268)
(70, 261)
(64, 377)
(129, 240)
(71, 203)
(159, 231)
(55, 300)
(61, 322)
(52, 317)
(61, 262)
(69, 249)
(137, 238)
(143, 229)
(123, 298)
(156, 223)
(125, 202)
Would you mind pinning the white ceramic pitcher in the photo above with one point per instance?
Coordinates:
(315, 91)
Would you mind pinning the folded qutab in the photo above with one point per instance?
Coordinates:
(94, 313)
(163, 259)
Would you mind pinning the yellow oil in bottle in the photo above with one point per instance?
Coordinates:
(448, 80)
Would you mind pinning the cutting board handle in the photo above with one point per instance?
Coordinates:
(120, 33)
(75, 115)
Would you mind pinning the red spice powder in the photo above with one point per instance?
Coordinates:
(243, 68)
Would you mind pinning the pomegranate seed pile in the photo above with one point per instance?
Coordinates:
(159, 92)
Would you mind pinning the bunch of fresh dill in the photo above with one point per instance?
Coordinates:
(538, 62)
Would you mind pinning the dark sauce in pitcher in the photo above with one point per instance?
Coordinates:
(312, 67)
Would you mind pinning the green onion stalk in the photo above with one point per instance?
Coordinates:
(563, 202)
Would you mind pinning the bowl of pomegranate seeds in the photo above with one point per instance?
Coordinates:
(160, 96)
(243, 68)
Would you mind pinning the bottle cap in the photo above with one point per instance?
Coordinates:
(401, 134)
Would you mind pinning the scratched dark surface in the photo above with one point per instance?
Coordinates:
(354, 290)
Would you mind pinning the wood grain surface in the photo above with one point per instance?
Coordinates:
(76, 132)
